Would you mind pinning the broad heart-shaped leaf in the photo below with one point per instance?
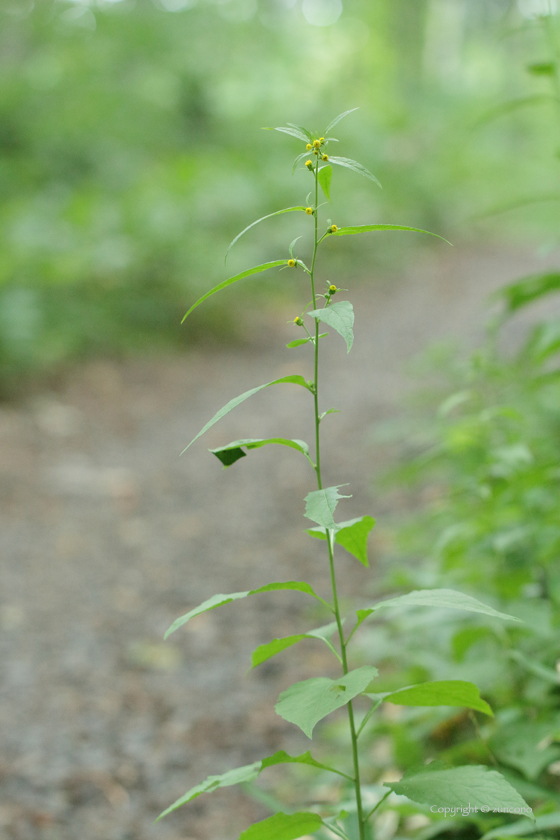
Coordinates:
(325, 177)
(440, 599)
(265, 652)
(269, 216)
(436, 785)
(348, 163)
(347, 231)
(225, 283)
(339, 316)
(232, 452)
(337, 119)
(320, 505)
(221, 600)
(308, 702)
(441, 693)
(283, 827)
(351, 535)
(291, 380)
(232, 777)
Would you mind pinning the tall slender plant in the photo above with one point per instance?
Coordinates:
(308, 702)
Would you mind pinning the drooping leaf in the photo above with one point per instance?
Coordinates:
(292, 131)
(291, 380)
(348, 163)
(338, 119)
(309, 701)
(255, 270)
(221, 600)
(339, 316)
(232, 452)
(269, 216)
(441, 599)
(325, 177)
(346, 231)
(282, 757)
(320, 505)
(232, 777)
(438, 786)
(351, 535)
(267, 651)
(441, 693)
(303, 130)
(516, 295)
(283, 827)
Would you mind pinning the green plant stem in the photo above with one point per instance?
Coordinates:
(330, 534)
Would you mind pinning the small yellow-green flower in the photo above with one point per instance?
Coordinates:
(324, 157)
(321, 140)
(308, 147)
(316, 144)
(309, 211)
(298, 322)
(291, 263)
(332, 290)
(309, 164)
(332, 229)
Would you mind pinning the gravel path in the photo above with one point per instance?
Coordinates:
(108, 535)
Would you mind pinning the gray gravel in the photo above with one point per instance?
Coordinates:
(108, 535)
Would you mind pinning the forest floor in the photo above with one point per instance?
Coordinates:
(108, 535)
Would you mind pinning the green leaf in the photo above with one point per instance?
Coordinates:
(440, 599)
(255, 270)
(308, 702)
(346, 231)
(516, 295)
(282, 757)
(297, 160)
(320, 505)
(267, 651)
(338, 119)
(299, 341)
(233, 452)
(339, 316)
(293, 131)
(351, 535)
(354, 166)
(441, 693)
(232, 777)
(458, 786)
(221, 600)
(283, 827)
(520, 828)
(291, 380)
(542, 68)
(270, 215)
(325, 177)
(303, 130)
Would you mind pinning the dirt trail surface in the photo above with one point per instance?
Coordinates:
(108, 536)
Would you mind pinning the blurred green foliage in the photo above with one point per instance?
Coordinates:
(130, 153)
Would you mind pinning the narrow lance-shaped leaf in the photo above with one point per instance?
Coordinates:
(338, 119)
(221, 600)
(255, 270)
(265, 652)
(325, 177)
(351, 535)
(346, 231)
(440, 693)
(303, 130)
(284, 827)
(529, 289)
(292, 131)
(320, 505)
(348, 163)
(290, 380)
(231, 453)
(476, 785)
(309, 701)
(439, 599)
(248, 773)
(269, 216)
(299, 341)
(339, 316)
